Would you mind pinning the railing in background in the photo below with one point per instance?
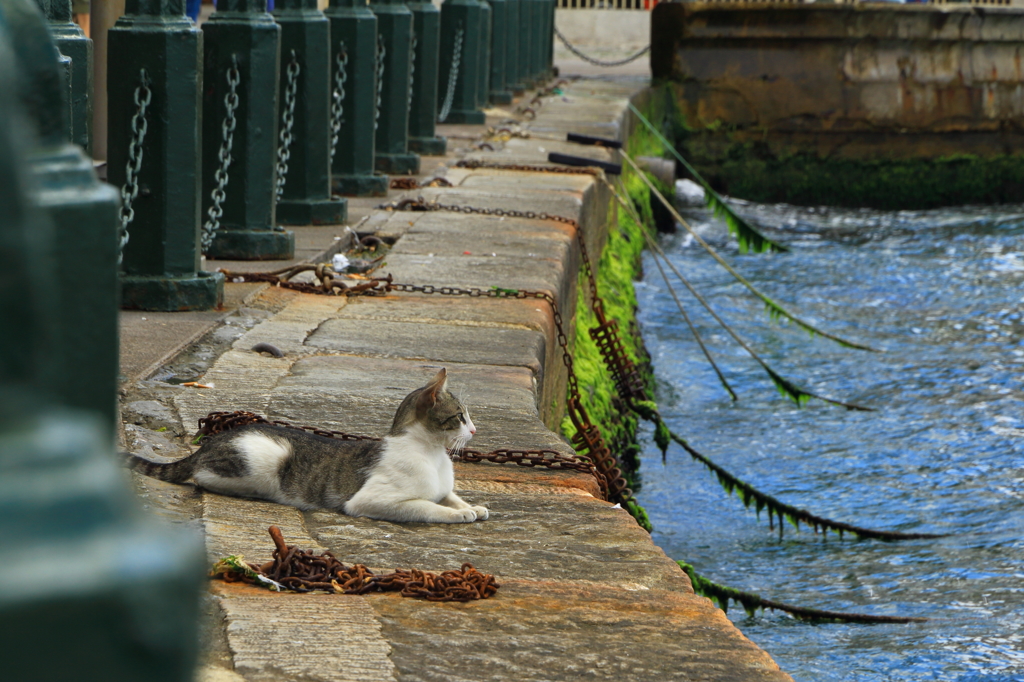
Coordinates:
(607, 4)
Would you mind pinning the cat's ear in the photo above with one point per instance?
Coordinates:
(433, 390)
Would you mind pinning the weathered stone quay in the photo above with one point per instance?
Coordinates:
(585, 594)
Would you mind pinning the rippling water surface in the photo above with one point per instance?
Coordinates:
(942, 292)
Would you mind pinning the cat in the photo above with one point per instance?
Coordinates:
(407, 476)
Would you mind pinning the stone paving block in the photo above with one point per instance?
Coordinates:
(239, 526)
(312, 638)
(555, 630)
(539, 536)
(438, 342)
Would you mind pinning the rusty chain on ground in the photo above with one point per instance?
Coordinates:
(330, 281)
(302, 571)
(413, 183)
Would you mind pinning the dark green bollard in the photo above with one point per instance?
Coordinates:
(484, 56)
(426, 23)
(394, 31)
(512, 69)
(118, 592)
(537, 8)
(459, 76)
(154, 52)
(84, 215)
(525, 77)
(354, 99)
(304, 109)
(240, 67)
(549, 40)
(71, 42)
(499, 92)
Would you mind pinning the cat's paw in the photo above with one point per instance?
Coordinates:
(466, 515)
(481, 513)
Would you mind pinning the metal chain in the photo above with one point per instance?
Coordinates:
(227, 128)
(130, 190)
(381, 53)
(412, 66)
(529, 168)
(287, 123)
(338, 95)
(453, 77)
(598, 62)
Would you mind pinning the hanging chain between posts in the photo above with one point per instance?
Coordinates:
(130, 190)
(287, 123)
(600, 62)
(412, 69)
(453, 77)
(382, 52)
(338, 95)
(219, 194)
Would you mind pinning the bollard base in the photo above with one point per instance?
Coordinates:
(253, 245)
(201, 291)
(397, 164)
(428, 146)
(471, 117)
(360, 185)
(501, 97)
(333, 211)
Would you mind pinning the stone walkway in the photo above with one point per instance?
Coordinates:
(584, 592)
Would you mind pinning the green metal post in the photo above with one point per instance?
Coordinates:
(304, 109)
(549, 39)
(525, 79)
(459, 75)
(394, 34)
(537, 41)
(130, 608)
(71, 42)
(354, 92)
(241, 46)
(499, 93)
(484, 58)
(512, 29)
(84, 215)
(154, 48)
(426, 22)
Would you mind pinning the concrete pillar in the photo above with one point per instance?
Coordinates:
(459, 76)
(354, 54)
(304, 110)
(394, 31)
(426, 22)
(241, 44)
(103, 14)
(154, 48)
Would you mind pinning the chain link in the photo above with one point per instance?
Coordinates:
(381, 54)
(338, 95)
(599, 62)
(227, 128)
(565, 170)
(130, 190)
(287, 123)
(453, 77)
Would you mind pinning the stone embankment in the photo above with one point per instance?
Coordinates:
(585, 593)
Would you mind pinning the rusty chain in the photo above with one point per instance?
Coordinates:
(473, 164)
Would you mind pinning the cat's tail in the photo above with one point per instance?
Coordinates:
(173, 472)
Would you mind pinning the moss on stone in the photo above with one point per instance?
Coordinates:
(617, 268)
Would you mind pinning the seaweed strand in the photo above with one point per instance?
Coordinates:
(748, 236)
(774, 309)
(786, 512)
(723, 594)
(693, 330)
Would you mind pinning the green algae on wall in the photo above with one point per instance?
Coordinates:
(617, 268)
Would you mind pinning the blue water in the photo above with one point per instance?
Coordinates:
(942, 293)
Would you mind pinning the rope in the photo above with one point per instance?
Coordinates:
(599, 62)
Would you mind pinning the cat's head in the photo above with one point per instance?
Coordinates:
(437, 413)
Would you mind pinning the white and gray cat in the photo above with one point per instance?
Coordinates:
(407, 476)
